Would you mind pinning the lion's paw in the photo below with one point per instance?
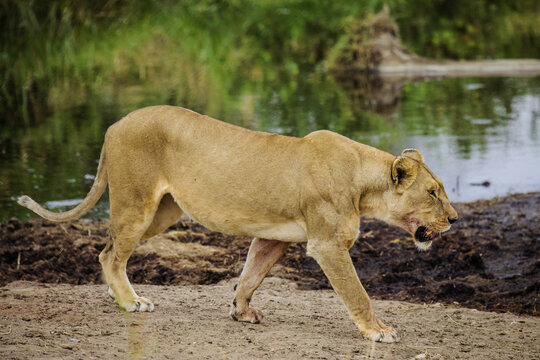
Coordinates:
(251, 315)
(138, 304)
(111, 293)
(386, 334)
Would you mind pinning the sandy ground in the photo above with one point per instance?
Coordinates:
(191, 322)
(53, 304)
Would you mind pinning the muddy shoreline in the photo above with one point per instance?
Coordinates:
(488, 261)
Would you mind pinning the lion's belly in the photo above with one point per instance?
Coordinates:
(285, 231)
(288, 231)
(278, 229)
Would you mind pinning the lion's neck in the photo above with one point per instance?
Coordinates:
(372, 205)
(372, 184)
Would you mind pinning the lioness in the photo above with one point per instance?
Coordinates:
(163, 161)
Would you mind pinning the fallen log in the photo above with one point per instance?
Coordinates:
(507, 67)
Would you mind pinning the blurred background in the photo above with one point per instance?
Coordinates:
(69, 69)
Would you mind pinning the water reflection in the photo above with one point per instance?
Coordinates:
(137, 336)
(374, 93)
(470, 130)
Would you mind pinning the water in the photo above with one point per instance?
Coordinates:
(470, 130)
(506, 163)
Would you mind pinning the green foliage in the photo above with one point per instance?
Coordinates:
(469, 29)
(45, 45)
(40, 41)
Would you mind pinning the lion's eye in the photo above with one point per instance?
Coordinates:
(433, 193)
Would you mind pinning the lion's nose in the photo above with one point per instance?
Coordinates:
(452, 220)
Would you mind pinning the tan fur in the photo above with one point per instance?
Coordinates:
(162, 161)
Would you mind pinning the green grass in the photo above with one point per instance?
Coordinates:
(54, 52)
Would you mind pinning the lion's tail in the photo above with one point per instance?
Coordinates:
(100, 183)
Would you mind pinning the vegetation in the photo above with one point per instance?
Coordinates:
(55, 49)
(465, 29)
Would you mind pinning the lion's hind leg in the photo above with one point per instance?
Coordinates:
(130, 223)
(262, 255)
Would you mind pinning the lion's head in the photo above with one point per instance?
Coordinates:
(417, 201)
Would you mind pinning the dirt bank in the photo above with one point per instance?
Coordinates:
(488, 261)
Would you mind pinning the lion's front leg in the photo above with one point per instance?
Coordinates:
(337, 265)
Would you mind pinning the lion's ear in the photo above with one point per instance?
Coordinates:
(404, 172)
(413, 154)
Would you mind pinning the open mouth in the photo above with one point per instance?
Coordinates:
(422, 234)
